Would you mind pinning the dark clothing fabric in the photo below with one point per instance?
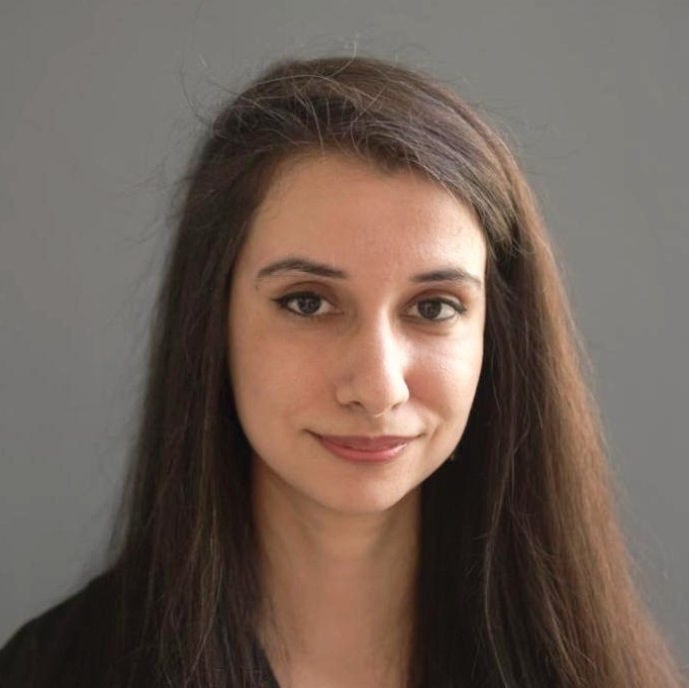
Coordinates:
(65, 647)
(46, 650)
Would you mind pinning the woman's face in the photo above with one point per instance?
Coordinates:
(356, 318)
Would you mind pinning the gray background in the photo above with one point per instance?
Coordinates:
(100, 102)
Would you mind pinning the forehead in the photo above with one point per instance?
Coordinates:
(348, 212)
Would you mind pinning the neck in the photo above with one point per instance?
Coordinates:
(338, 588)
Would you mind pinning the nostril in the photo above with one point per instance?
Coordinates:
(375, 393)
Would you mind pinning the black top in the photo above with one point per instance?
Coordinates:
(50, 650)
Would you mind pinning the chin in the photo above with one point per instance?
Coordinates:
(368, 502)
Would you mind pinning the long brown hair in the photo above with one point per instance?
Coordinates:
(523, 575)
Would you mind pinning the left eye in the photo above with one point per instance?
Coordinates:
(437, 310)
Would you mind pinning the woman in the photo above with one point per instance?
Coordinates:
(367, 456)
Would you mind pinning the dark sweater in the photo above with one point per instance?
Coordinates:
(65, 646)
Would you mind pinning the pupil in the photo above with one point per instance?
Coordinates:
(430, 309)
(308, 304)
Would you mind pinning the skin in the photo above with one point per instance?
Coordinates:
(372, 353)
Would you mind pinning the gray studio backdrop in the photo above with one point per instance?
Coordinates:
(99, 104)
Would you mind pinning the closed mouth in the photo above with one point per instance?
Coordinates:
(366, 449)
(367, 443)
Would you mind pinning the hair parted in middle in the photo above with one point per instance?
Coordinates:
(522, 573)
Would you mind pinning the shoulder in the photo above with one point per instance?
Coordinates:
(50, 649)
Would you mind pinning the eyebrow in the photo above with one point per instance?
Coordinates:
(453, 273)
(300, 265)
(450, 274)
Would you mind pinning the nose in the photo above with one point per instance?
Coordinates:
(374, 364)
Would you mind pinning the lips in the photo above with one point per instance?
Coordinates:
(365, 449)
(367, 443)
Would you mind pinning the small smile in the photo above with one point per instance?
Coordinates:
(365, 448)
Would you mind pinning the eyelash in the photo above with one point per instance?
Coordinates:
(283, 303)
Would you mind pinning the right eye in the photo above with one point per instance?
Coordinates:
(305, 304)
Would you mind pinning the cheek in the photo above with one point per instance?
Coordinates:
(446, 379)
(272, 375)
